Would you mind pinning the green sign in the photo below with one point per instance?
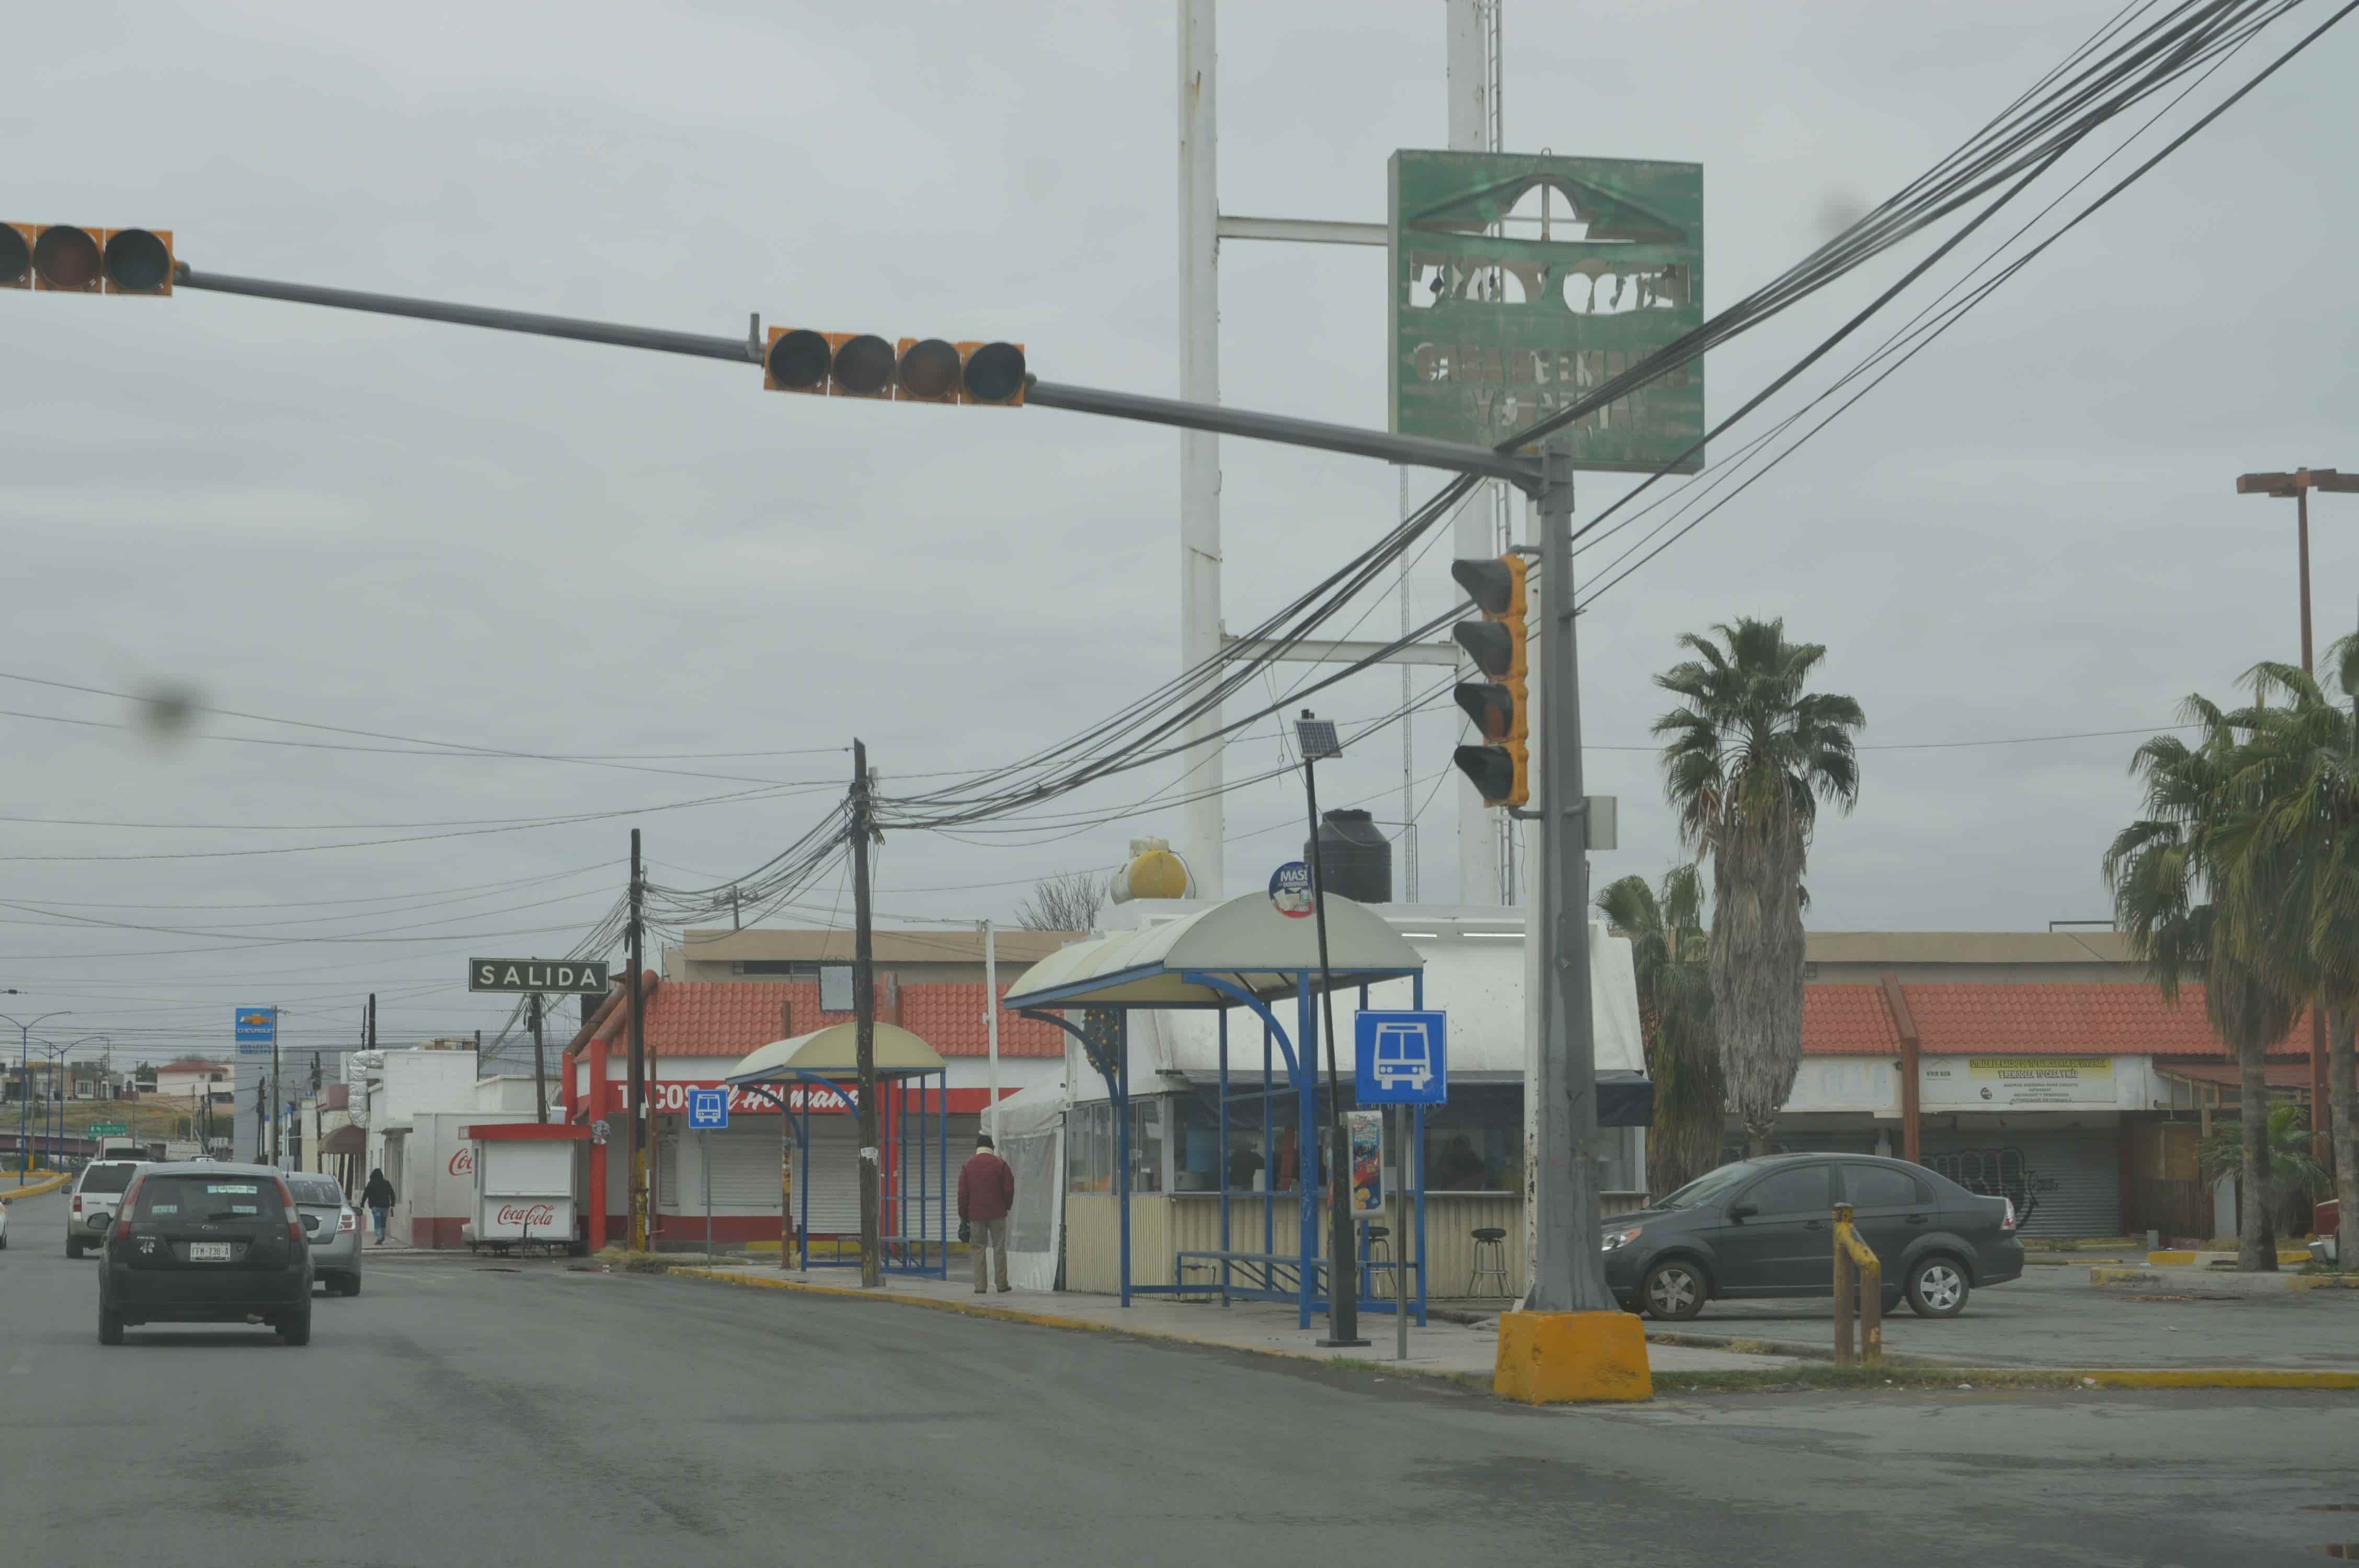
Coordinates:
(574, 975)
(107, 1128)
(1520, 284)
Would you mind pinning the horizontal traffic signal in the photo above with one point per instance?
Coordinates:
(68, 258)
(1500, 707)
(913, 370)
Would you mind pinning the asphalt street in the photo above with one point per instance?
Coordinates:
(2054, 1317)
(464, 1412)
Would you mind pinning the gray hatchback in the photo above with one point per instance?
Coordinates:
(206, 1243)
(334, 1226)
(1766, 1227)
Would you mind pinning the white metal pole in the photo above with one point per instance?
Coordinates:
(1471, 534)
(991, 1026)
(1202, 823)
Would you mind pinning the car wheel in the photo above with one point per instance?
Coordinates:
(1937, 1287)
(73, 1245)
(295, 1328)
(350, 1284)
(110, 1326)
(1674, 1290)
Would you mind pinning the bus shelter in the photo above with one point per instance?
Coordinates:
(820, 1071)
(1245, 954)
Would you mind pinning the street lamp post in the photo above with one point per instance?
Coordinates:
(2297, 485)
(24, 1085)
(58, 1053)
(1316, 739)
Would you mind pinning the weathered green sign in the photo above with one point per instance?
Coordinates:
(580, 975)
(1522, 283)
(107, 1129)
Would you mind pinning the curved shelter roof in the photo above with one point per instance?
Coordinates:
(1246, 940)
(833, 1052)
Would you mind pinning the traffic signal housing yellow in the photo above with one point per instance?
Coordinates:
(1500, 707)
(912, 370)
(68, 258)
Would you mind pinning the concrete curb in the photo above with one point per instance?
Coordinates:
(2212, 1282)
(2103, 1376)
(35, 1189)
(1056, 1319)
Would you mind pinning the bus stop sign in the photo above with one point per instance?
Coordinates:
(1401, 1058)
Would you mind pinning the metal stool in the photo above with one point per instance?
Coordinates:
(1377, 1257)
(1490, 1260)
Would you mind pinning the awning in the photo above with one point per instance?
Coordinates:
(346, 1140)
(834, 1051)
(2228, 1075)
(1248, 941)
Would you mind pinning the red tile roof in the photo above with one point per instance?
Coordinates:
(1847, 1021)
(715, 1018)
(2095, 1019)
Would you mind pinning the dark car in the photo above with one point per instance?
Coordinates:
(1766, 1227)
(206, 1243)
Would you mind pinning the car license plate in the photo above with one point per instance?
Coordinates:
(208, 1251)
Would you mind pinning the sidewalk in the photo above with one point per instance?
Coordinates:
(1454, 1350)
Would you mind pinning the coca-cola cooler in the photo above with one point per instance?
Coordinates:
(529, 1187)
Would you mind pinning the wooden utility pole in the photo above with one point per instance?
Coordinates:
(637, 1119)
(863, 1014)
(2297, 486)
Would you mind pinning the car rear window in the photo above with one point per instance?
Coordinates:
(106, 1178)
(209, 1198)
(316, 1192)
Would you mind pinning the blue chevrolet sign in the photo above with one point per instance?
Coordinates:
(257, 1030)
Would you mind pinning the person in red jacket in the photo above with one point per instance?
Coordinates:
(986, 1192)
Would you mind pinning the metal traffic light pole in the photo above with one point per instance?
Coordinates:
(1562, 1178)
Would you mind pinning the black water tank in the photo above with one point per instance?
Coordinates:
(1354, 859)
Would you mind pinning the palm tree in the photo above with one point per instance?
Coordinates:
(1751, 756)
(2296, 863)
(1666, 946)
(2164, 870)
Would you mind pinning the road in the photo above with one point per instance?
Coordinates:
(2054, 1317)
(463, 1413)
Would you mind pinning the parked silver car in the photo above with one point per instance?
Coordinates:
(334, 1228)
(97, 1194)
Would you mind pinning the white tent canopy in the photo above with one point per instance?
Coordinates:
(1248, 940)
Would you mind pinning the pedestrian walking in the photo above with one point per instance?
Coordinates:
(378, 1197)
(986, 1192)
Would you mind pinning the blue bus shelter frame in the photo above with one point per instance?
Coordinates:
(903, 1253)
(1302, 1074)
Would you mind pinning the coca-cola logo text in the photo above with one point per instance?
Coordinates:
(528, 1214)
(462, 1164)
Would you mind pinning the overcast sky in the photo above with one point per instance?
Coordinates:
(507, 542)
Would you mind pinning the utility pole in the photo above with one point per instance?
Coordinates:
(863, 1014)
(372, 1021)
(1566, 1274)
(273, 1085)
(991, 1026)
(539, 1070)
(2297, 485)
(637, 1119)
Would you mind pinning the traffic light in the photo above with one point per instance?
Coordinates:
(1501, 706)
(913, 369)
(68, 259)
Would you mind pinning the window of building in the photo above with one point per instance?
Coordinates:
(1089, 1148)
(1475, 1143)
(1146, 1143)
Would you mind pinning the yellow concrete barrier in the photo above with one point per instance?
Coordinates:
(39, 1183)
(1567, 1357)
(2171, 1258)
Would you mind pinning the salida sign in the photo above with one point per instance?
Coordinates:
(570, 975)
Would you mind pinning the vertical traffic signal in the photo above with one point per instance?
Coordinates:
(1500, 706)
(66, 258)
(913, 369)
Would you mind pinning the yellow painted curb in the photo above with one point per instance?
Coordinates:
(1568, 1357)
(2171, 1258)
(2213, 1378)
(2124, 1277)
(2324, 1282)
(35, 1189)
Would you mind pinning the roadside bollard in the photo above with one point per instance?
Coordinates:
(1859, 1285)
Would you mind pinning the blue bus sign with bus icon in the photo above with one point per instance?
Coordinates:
(1401, 1058)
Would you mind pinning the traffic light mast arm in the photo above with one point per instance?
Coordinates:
(1416, 450)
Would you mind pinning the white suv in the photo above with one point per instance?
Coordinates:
(97, 1194)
